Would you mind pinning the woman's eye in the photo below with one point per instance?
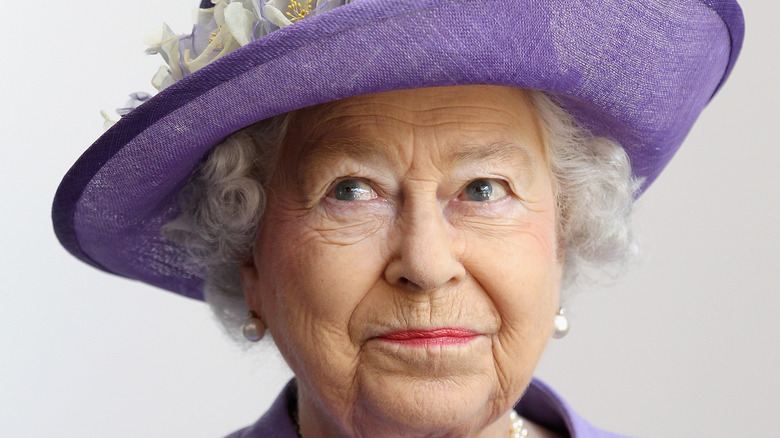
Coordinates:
(353, 190)
(482, 190)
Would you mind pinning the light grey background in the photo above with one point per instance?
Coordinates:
(684, 346)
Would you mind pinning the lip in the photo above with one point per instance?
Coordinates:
(430, 337)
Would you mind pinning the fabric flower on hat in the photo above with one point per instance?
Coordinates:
(168, 48)
(285, 12)
(218, 31)
(224, 28)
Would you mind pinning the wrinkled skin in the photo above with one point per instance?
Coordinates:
(375, 224)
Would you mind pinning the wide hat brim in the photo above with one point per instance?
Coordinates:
(637, 72)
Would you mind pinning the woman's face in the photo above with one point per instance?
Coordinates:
(406, 264)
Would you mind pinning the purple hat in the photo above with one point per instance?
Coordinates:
(637, 72)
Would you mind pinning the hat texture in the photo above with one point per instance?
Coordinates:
(639, 72)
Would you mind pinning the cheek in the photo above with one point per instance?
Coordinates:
(522, 278)
(520, 260)
(312, 283)
(520, 271)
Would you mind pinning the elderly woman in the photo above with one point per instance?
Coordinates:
(398, 191)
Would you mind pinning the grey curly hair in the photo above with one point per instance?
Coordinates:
(223, 203)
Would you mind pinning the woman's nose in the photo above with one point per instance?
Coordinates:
(424, 254)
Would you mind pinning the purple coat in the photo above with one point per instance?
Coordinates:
(539, 404)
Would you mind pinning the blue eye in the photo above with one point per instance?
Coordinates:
(353, 190)
(482, 190)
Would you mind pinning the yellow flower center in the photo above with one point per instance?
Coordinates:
(214, 34)
(297, 11)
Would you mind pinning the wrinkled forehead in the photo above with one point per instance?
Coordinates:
(428, 107)
(455, 124)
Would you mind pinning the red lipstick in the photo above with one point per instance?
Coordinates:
(424, 338)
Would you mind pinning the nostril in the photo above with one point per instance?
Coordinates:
(413, 286)
(424, 264)
(409, 284)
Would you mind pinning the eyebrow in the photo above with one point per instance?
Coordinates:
(499, 151)
(468, 152)
(332, 152)
(346, 147)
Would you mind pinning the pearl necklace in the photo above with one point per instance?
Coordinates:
(517, 430)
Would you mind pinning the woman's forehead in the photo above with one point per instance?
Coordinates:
(457, 124)
(423, 105)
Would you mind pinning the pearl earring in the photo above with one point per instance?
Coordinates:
(253, 328)
(560, 324)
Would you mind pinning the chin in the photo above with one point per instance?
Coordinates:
(426, 404)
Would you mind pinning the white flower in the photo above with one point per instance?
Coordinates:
(168, 47)
(218, 31)
(163, 78)
(107, 122)
(285, 12)
(239, 22)
(224, 28)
